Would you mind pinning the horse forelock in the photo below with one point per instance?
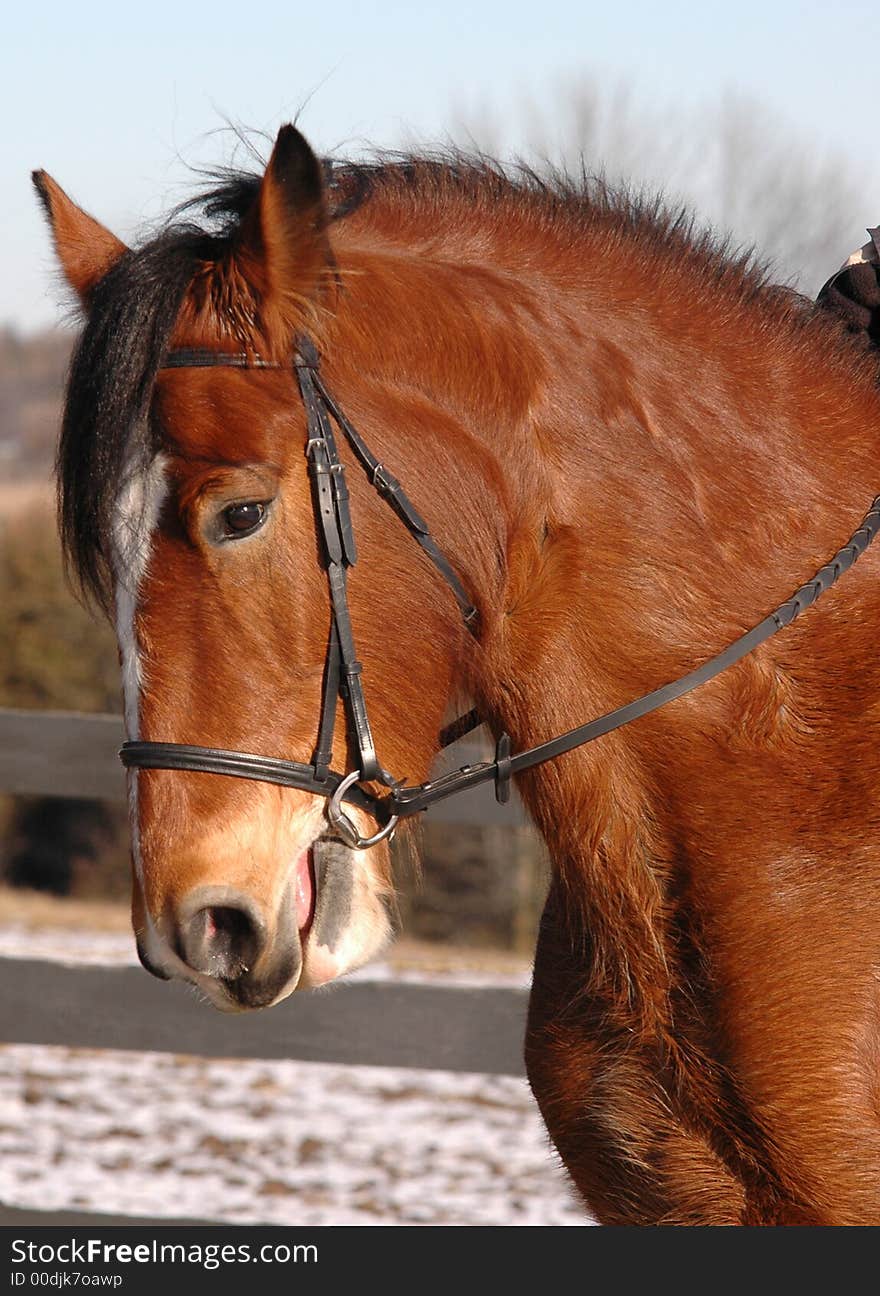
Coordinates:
(106, 436)
(185, 286)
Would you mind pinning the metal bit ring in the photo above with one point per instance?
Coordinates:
(342, 824)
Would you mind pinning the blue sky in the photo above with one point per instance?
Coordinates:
(115, 99)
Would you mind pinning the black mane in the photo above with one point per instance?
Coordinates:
(105, 430)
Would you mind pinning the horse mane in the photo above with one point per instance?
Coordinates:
(520, 206)
(105, 430)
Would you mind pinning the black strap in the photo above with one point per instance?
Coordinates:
(202, 358)
(451, 733)
(329, 698)
(246, 765)
(503, 769)
(387, 485)
(306, 359)
(406, 801)
(334, 518)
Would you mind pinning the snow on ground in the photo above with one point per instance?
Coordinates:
(109, 949)
(277, 1142)
(117, 949)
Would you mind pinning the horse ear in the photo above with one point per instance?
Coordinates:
(85, 248)
(284, 241)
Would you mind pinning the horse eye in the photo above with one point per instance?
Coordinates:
(241, 519)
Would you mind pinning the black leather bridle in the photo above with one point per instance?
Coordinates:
(342, 671)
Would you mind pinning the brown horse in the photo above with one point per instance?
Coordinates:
(629, 448)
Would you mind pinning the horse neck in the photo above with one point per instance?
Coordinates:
(656, 457)
(636, 440)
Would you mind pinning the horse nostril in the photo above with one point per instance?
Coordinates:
(221, 940)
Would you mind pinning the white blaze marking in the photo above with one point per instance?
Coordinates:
(137, 512)
(135, 518)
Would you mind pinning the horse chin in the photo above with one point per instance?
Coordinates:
(338, 900)
(350, 922)
(333, 917)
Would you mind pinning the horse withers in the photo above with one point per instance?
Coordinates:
(628, 448)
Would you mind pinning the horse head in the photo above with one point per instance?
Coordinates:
(186, 509)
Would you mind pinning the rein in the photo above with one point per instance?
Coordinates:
(342, 670)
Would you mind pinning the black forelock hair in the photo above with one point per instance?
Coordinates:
(130, 319)
(131, 315)
(132, 312)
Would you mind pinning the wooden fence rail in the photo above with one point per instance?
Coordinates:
(69, 754)
(359, 1023)
(366, 1023)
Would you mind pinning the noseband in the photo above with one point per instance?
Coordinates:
(342, 670)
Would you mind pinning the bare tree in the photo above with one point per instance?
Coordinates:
(743, 170)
